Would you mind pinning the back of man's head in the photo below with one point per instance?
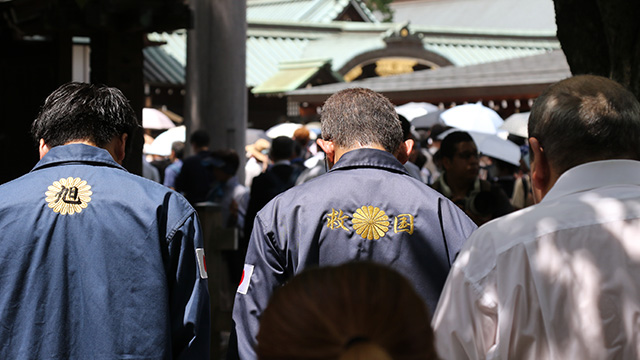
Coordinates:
(199, 139)
(359, 117)
(282, 148)
(406, 128)
(84, 112)
(586, 118)
(448, 145)
(177, 147)
(226, 160)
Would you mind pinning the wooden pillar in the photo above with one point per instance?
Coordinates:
(117, 60)
(216, 97)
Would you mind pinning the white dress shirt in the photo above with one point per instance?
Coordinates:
(558, 280)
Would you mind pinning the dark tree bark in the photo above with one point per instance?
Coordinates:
(601, 37)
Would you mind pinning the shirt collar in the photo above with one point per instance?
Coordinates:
(76, 153)
(367, 157)
(595, 174)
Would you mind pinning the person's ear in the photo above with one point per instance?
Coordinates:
(404, 150)
(328, 148)
(119, 148)
(540, 169)
(43, 148)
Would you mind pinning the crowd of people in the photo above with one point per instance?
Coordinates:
(373, 241)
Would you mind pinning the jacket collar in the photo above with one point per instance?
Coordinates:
(76, 153)
(366, 157)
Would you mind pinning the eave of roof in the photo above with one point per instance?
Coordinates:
(515, 77)
(293, 75)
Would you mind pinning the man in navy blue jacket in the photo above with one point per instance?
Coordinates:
(367, 207)
(95, 262)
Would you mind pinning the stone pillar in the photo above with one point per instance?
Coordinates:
(216, 96)
(216, 101)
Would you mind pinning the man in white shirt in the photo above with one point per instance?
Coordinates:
(561, 279)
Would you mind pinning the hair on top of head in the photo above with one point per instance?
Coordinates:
(84, 112)
(282, 148)
(358, 310)
(199, 138)
(406, 127)
(227, 160)
(586, 118)
(448, 144)
(359, 117)
(178, 148)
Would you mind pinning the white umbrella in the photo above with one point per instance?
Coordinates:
(284, 129)
(428, 120)
(473, 117)
(155, 119)
(517, 124)
(412, 110)
(162, 143)
(492, 145)
(252, 135)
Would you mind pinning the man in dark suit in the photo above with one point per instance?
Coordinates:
(280, 176)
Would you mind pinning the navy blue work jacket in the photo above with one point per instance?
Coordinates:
(98, 263)
(366, 207)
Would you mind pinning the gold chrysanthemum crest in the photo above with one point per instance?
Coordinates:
(68, 196)
(370, 222)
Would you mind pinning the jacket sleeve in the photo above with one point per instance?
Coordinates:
(455, 225)
(189, 295)
(263, 272)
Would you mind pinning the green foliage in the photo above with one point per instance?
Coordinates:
(383, 7)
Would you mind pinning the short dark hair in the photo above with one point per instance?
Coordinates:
(586, 118)
(406, 127)
(199, 138)
(360, 116)
(282, 148)
(84, 112)
(448, 145)
(178, 148)
(227, 160)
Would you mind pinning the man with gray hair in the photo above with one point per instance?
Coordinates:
(366, 207)
(560, 279)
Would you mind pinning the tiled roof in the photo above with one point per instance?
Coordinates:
(293, 75)
(271, 43)
(478, 14)
(176, 44)
(264, 54)
(315, 11)
(159, 68)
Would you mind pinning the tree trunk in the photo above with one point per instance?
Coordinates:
(601, 37)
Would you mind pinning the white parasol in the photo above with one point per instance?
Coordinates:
(412, 110)
(162, 143)
(155, 119)
(492, 145)
(517, 124)
(284, 129)
(473, 117)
